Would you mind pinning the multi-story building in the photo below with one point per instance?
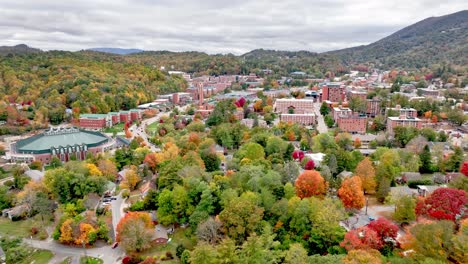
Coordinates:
(95, 121)
(100, 121)
(354, 124)
(294, 106)
(333, 91)
(373, 107)
(410, 112)
(304, 119)
(341, 111)
(362, 95)
(403, 120)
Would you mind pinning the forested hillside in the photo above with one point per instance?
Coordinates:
(430, 41)
(88, 82)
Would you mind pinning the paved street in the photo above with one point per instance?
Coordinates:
(105, 252)
(321, 127)
(117, 211)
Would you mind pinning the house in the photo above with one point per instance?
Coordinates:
(35, 175)
(410, 176)
(355, 221)
(160, 234)
(15, 213)
(425, 190)
(121, 174)
(400, 191)
(316, 157)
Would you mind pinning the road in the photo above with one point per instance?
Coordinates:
(106, 253)
(140, 130)
(117, 212)
(321, 127)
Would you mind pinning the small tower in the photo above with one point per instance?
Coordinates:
(200, 94)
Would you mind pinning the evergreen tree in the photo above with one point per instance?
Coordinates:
(426, 161)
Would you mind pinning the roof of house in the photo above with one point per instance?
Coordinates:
(35, 175)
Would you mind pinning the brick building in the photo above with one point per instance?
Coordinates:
(354, 124)
(410, 112)
(299, 106)
(373, 107)
(402, 120)
(334, 92)
(95, 121)
(341, 111)
(304, 119)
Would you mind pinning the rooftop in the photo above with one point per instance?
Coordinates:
(42, 143)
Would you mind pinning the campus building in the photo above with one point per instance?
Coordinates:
(333, 91)
(63, 143)
(304, 119)
(403, 120)
(294, 106)
(354, 124)
(100, 121)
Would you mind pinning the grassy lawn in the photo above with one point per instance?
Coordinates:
(91, 260)
(151, 128)
(117, 128)
(180, 237)
(21, 228)
(16, 228)
(38, 257)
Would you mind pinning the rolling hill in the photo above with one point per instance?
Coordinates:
(432, 40)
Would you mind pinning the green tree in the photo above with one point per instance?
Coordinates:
(324, 109)
(426, 160)
(404, 209)
(5, 198)
(166, 214)
(242, 216)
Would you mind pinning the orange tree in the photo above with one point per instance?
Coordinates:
(310, 183)
(351, 193)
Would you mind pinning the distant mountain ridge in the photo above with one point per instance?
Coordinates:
(432, 40)
(118, 51)
(18, 49)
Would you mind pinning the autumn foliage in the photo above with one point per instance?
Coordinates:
(135, 231)
(464, 168)
(310, 183)
(365, 170)
(362, 238)
(442, 204)
(384, 228)
(310, 165)
(351, 193)
(298, 155)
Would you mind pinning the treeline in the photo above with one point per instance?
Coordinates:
(46, 84)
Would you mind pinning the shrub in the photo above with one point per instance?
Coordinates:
(34, 230)
(414, 184)
(137, 206)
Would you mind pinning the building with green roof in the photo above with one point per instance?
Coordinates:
(64, 143)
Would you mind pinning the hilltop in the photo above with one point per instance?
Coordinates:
(430, 41)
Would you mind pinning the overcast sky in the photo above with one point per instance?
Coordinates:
(213, 26)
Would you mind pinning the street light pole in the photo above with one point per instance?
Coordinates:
(367, 203)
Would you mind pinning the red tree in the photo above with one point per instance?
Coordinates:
(464, 168)
(361, 238)
(310, 165)
(310, 183)
(298, 155)
(240, 102)
(384, 228)
(443, 203)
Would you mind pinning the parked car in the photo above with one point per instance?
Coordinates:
(113, 198)
(116, 244)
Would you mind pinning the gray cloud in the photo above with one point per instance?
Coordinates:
(213, 26)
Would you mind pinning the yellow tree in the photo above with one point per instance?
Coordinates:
(93, 170)
(360, 256)
(351, 193)
(66, 231)
(108, 168)
(365, 170)
(131, 179)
